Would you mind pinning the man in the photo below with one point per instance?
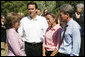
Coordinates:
(71, 36)
(45, 12)
(39, 12)
(32, 29)
(79, 17)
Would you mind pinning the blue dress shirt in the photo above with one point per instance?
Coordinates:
(72, 41)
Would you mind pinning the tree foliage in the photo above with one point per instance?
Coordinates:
(21, 6)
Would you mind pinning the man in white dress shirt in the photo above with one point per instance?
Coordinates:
(32, 29)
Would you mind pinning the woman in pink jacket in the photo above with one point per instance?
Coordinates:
(14, 40)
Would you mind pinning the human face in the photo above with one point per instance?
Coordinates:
(50, 20)
(63, 16)
(79, 9)
(16, 25)
(2, 20)
(38, 12)
(32, 10)
(45, 11)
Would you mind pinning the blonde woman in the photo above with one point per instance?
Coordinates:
(14, 40)
(52, 36)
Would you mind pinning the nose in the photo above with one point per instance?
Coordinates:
(30, 10)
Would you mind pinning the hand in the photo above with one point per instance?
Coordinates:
(51, 55)
(54, 52)
(3, 27)
(44, 54)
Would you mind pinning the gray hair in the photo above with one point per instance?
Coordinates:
(80, 5)
(67, 8)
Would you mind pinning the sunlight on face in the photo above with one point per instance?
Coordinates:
(32, 10)
(50, 19)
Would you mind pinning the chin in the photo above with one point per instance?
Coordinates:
(31, 15)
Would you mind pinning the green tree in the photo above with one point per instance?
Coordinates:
(21, 6)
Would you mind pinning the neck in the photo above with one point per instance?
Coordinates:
(14, 28)
(78, 13)
(33, 17)
(54, 24)
(68, 20)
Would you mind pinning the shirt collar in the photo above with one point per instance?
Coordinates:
(70, 22)
(54, 28)
(32, 19)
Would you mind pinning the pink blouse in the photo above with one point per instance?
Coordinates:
(15, 44)
(52, 38)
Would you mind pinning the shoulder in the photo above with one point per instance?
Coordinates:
(41, 17)
(25, 19)
(58, 26)
(75, 25)
(10, 32)
(82, 14)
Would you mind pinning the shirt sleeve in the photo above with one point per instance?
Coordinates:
(76, 41)
(20, 29)
(13, 42)
(44, 42)
(58, 38)
(45, 25)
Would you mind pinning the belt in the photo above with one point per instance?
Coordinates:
(33, 44)
(62, 54)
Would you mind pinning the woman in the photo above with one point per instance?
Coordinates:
(14, 40)
(3, 31)
(52, 36)
(79, 17)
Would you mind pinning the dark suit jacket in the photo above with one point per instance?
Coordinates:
(81, 22)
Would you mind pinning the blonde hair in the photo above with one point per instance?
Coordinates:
(2, 17)
(12, 18)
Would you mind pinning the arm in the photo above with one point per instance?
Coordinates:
(43, 47)
(54, 52)
(20, 29)
(43, 51)
(76, 41)
(13, 42)
(45, 25)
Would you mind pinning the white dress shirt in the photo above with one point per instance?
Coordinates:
(33, 30)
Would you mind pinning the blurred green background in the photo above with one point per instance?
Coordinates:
(21, 6)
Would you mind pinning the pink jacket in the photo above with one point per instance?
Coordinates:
(52, 38)
(15, 44)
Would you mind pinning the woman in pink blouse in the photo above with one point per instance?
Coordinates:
(52, 36)
(14, 40)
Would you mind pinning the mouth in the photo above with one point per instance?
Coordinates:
(30, 13)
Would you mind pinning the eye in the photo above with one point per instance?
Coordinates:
(28, 9)
(60, 15)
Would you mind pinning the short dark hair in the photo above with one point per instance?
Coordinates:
(32, 3)
(39, 9)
